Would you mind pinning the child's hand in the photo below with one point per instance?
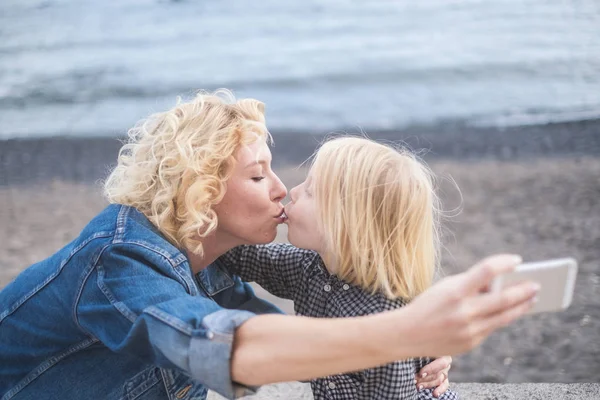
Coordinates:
(435, 375)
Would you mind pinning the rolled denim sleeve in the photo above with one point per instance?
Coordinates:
(221, 326)
(130, 305)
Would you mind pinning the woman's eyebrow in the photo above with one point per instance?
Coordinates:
(257, 162)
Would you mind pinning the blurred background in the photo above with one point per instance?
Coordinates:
(502, 98)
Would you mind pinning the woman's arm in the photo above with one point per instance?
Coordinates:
(452, 317)
(156, 320)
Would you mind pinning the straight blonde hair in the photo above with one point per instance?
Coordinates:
(378, 211)
(176, 163)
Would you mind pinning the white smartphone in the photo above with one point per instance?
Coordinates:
(556, 278)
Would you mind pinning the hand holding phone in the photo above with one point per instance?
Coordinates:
(556, 279)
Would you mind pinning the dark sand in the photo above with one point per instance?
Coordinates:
(533, 191)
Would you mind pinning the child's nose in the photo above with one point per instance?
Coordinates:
(293, 192)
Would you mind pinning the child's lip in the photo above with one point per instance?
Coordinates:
(282, 215)
(285, 213)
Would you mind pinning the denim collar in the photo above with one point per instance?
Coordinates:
(153, 238)
(214, 279)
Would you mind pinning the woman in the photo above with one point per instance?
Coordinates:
(135, 308)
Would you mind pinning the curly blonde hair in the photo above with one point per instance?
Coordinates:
(175, 165)
(379, 214)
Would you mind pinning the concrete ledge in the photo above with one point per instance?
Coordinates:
(531, 391)
(467, 391)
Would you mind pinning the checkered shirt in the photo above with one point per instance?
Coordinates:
(300, 275)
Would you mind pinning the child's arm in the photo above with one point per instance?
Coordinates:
(277, 267)
(396, 381)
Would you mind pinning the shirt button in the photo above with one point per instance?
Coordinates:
(346, 286)
(327, 288)
(331, 385)
(210, 335)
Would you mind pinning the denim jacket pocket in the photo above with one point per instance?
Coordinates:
(141, 383)
(181, 387)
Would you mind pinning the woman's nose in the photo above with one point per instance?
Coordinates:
(279, 191)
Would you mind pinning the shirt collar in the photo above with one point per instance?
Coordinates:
(214, 279)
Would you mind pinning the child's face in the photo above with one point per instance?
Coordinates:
(303, 230)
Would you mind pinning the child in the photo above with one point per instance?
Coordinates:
(364, 231)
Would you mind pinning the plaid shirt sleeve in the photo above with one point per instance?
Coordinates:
(277, 267)
(390, 381)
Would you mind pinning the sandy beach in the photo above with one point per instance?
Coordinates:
(540, 204)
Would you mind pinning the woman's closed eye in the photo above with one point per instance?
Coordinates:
(258, 178)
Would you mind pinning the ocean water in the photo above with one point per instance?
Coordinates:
(89, 67)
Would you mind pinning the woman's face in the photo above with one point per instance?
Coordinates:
(251, 208)
(301, 212)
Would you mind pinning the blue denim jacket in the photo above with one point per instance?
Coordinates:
(118, 314)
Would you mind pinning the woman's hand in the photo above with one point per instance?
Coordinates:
(458, 313)
(435, 375)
